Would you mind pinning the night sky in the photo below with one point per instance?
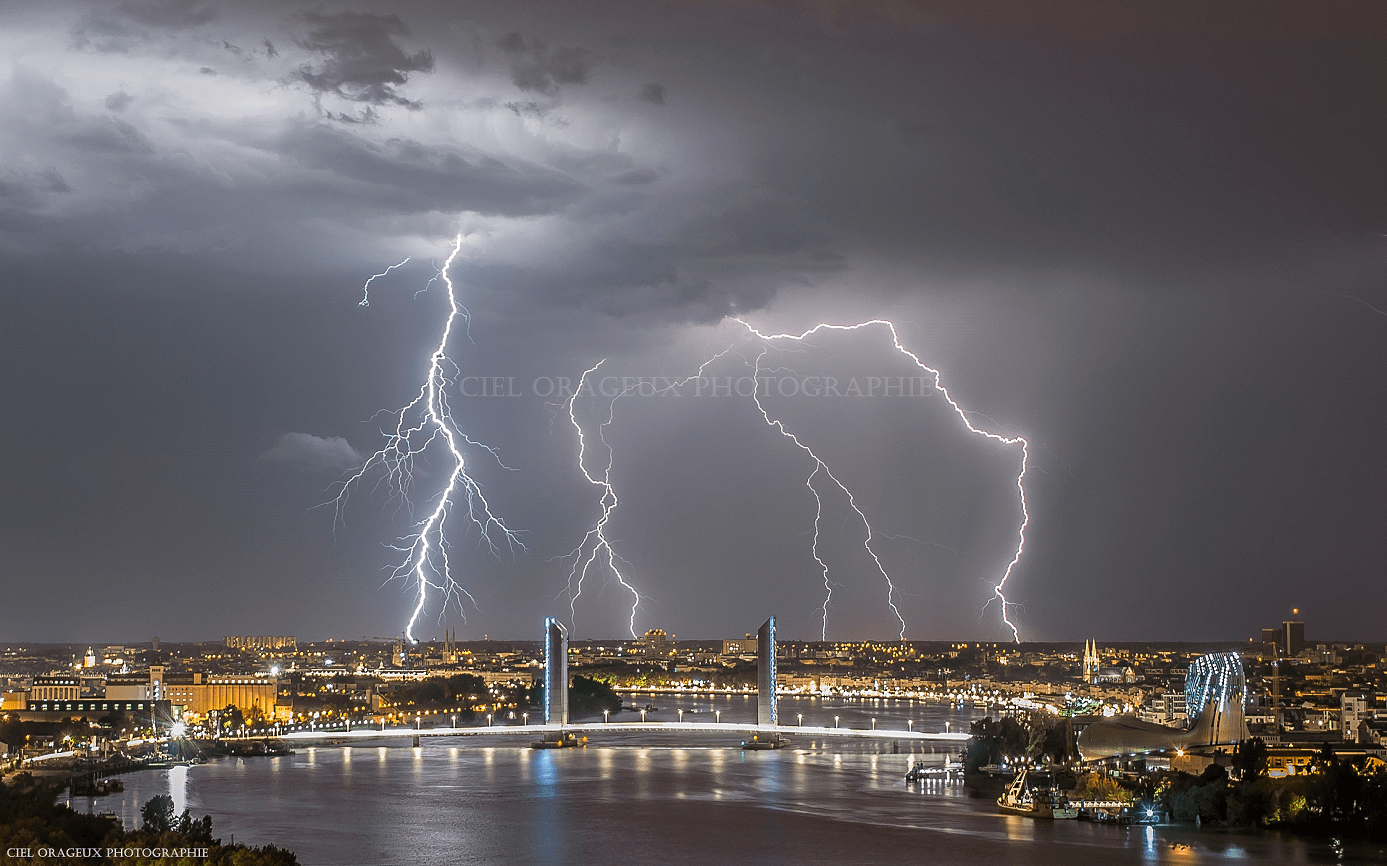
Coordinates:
(1153, 243)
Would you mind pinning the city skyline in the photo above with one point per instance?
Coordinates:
(1150, 248)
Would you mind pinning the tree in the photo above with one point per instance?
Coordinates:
(994, 740)
(1205, 797)
(157, 814)
(1250, 758)
(589, 696)
(1103, 788)
(459, 691)
(230, 718)
(158, 817)
(29, 818)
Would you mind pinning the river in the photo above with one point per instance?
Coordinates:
(643, 799)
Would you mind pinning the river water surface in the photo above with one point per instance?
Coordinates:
(640, 799)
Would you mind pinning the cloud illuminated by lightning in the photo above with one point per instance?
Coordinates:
(998, 589)
(419, 424)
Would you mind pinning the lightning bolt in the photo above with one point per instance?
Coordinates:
(998, 589)
(821, 467)
(1359, 300)
(366, 289)
(597, 534)
(419, 424)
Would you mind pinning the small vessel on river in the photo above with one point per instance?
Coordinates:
(1033, 799)
(920, 771)
(756, 744)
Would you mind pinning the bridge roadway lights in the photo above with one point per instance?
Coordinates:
(679, 728)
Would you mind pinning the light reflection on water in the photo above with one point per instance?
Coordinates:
(178, 788)
(678, 801)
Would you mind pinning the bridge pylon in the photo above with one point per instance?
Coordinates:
(555, 672)
(767, 710)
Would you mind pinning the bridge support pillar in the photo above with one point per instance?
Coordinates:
(555, 672)
(767, 711)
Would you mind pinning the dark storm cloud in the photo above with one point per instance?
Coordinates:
(1147, 239)
(167, 15)
(119, 101)
(317, 170)
(119, 27)
(108, 135)
(537, 66)
(636, 177)
(311, 453)
(681, 281)
(363, 61)
(49, 113)
(27, 190)
(409, 175)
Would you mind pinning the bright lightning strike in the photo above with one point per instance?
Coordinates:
(366, 289)
(597, 535)
(584, 557)
(999, 588)
(424, 421)
(820, 466)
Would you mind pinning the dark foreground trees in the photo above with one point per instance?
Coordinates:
(30, 818)
(589, 696)
(1342, 796)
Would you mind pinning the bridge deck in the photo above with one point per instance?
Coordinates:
(682, 728)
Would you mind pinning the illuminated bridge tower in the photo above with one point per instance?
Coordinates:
(555, 672)
(767, 712)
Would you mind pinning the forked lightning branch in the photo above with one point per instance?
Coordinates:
(428, 425)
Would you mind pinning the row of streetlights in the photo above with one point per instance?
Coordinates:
(909, 723)
(606, 719)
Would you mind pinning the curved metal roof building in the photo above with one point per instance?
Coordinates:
(1215, 684)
